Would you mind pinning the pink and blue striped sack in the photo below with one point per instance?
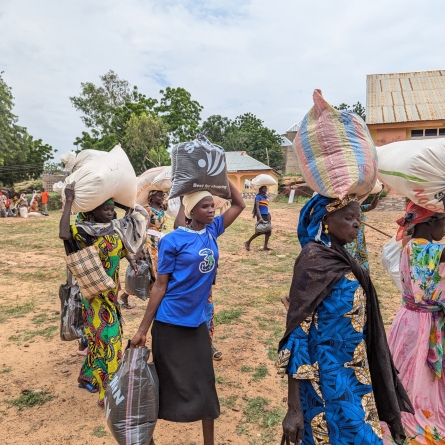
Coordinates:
(336, 153)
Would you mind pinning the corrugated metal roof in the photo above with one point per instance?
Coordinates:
(240, 161)
(405, 97)
(285, 142)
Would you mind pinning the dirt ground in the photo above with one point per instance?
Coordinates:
(250, 322)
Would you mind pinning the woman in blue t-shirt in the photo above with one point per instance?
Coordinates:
(261, 212)
(187, 263)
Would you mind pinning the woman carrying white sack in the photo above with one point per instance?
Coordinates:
(181, 346)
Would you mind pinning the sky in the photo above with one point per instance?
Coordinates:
(233, 56)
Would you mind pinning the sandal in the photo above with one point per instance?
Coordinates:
(217, 355)
(83, 353)
(126, 306)
(247, 246)
(89, 387)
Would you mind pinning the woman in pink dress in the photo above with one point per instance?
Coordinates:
(416, 338)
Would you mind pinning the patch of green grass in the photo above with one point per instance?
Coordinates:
(228, 402)
(258, 411)
(260, 372)
(17, 310)
(99, 431)
(227, 316)
(220, 380)
(47, 333)
(31, 399)
(5, 370)
(40, 319)
(245, 368)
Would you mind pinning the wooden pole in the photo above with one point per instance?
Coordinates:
(375, 228)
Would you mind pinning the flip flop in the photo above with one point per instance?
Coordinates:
(217, 355)
(247, 246)
(89, 387)
(126, 306)
(266, 249)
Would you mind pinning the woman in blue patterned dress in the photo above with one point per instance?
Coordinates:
(341, 378)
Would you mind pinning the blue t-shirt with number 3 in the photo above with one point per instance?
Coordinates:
(191, 259)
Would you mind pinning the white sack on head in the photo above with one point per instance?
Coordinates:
(415, 169)
(263, 179)
(110, 175)
(164, 179)
(173, 207)
(68, 160)
(145, 184)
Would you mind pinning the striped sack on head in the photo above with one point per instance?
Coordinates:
(336, 153)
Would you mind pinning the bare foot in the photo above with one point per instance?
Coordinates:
(247, 246)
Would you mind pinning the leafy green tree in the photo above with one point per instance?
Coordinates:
(180, 113)
(357, 108)
(21, 157)
(216, 128)
(246, 133)
(145, 142)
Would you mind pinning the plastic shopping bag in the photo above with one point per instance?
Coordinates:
(132, 399)
(71, 319)
(391, 260)
(139, 285)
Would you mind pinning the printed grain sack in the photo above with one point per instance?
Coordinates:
(415, 169)
(335, 151)
(199, 165)
(109, 175)
(132, 399)
(145, 184)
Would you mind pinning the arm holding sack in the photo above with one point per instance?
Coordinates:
(64, 226)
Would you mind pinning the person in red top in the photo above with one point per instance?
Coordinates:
(45, 197)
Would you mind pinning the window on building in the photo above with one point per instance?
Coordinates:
(417, 133)
(430, 132)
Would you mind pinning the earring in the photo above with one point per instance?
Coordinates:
(326, 229)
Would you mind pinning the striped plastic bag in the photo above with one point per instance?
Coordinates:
(335, 150)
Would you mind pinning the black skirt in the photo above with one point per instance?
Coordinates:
(183, 360)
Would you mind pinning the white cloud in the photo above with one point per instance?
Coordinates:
(233, 56)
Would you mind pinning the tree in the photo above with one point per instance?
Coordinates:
(358, 108)
(180, 113)
(21, 156)
(246, 133)
(114, 112)
(145, 140)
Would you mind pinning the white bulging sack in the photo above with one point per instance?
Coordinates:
(263, 179)
(109, 175)
(415, 169)
(164, 179)
(145, 184)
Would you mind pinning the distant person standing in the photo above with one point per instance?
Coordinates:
(261, 212)
(45, 198)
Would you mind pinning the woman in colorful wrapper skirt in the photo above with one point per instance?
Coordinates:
(416, 338)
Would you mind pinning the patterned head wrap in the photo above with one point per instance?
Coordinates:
(310, 225)
(414, 214)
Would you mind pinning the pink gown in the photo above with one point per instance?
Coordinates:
(416, 340)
